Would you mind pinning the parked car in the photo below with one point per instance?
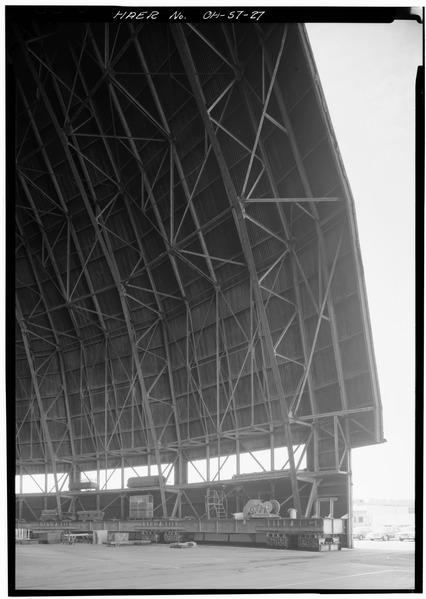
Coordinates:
(375, 535)
(407, 534)
(360, 532)
(385, 533)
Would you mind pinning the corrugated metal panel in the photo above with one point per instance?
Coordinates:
(328, 398)
(359, 390)
(317, 165)
(324, 338)
(344, 280)
(279, 312)
(290, 375)
(354, 355)
(324, 369)
(348, 317)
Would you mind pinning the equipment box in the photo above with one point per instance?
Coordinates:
(141, 506)
(51, 536)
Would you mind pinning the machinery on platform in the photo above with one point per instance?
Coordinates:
(137, 482)
(255, 508)
(52, 515)
(48, 515)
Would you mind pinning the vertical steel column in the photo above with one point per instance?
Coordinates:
(349, 522)
(208, 461)
(312, 497)
(237, 451)
(336, 443)
(218, 425)
(98, 474)
(315, 447)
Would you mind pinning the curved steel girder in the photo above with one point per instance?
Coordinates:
(144, 258)
(64, 291)
(244, 95)
(93, 296)
(152, 199)
(187, 60)
(61, 361)
(63, 206)
(71, 231)
(109, 258)
(305, 182)
(43, 420)
(357, 257)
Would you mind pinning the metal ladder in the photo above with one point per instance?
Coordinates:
(216, 504)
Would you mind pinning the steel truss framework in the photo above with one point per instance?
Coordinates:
(183, 256)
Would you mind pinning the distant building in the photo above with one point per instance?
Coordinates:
(380, 512)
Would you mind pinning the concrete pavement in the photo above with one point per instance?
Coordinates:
(374, 566)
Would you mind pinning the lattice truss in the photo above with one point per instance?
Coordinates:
(188, 276)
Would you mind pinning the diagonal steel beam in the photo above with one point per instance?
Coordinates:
(245, 97)
(265, 107)
(175, 159)
(306, 185)
(187, 60)
(43, 420)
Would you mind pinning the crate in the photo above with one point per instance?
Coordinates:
(51, 536)
(141, 506)
(48, 515)
(117, 538)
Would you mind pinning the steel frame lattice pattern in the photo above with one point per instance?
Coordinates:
(183, 250)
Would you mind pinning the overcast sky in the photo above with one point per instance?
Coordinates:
(368, 74)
